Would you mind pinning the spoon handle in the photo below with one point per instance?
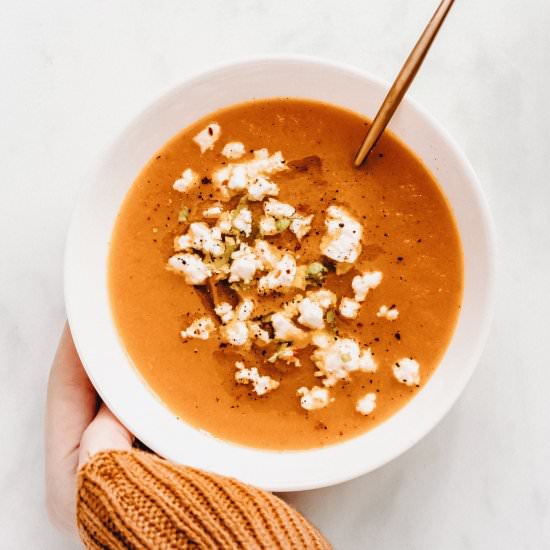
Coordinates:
(402, 82)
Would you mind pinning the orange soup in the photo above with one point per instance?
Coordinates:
(273, 295)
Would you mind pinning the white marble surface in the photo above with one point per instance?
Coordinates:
(73, 72)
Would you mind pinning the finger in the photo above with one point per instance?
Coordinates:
(104, 433)
(71, 403)
(71, 406)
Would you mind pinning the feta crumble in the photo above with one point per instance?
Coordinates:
(191, 266)
(312, 309)
(278, 209)
(233, 150)
(390, 313)
(281, 276)
(243, 221)
(366, 404)
(301, 225)
(262, 187)
(287, 355)
(367, 362)
(285, 329)
(266, 254)
(258, 332)
(203, 238)
(407, 371)
(342, 240)
(261, 384)
(225, 312)
(250, 176)
(311, 314)
(349, 308)
(244, 309)
(268, 226)
(314, 398)
(206, 138)
(244, 264)
(336, 358)
(188, 180)
(235, 333)
(238, 179)
(201, 329)
(361, 284)
(212, 212)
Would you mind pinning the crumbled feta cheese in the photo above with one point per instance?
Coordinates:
(312, 309)
(258, 332)
(201, 237)
(285, 329)
(336, 358)
(188, 180)
(311, 314)
(407, 371)
(287, 355)
(238, 179)
(212, 212)
(201, 329)
(278, 209)
(361, 284)
(290, 308)
(342, 240)
(244, 309)
(191, 266)
(251, 175)
(233, 150)
(349, 308)
(366, 404)
(301, 225)
(314, 398)
(225, 312)
(325, 298)
(235, 332)
(243, 221)
(265, 165)
(244, 264)
(321, 339)
(262, 187)
(262, 384)
(266, 254)
(206, 138)
(336, 361)
(225, 223)
(221, 176)
(391, 313)
(282, 275)
(367, 362)
(268, 225)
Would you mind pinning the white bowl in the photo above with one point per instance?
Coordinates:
(87, 299)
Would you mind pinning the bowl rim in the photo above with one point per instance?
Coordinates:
(449, 143)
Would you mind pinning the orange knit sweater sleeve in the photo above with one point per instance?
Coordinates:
(133, 499)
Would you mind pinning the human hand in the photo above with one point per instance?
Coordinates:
(78, 425)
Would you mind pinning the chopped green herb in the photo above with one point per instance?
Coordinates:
(278, 353)
(282, 224)
(183, 214)
(331, 318)
(230, 247)
(316, 272)
(243, 203)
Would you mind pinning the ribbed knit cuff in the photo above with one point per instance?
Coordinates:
(133, 499)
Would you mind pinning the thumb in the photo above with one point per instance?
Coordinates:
(105, 432)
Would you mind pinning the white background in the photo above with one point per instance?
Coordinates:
(72, 73)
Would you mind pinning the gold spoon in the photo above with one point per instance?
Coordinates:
(402, 82)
